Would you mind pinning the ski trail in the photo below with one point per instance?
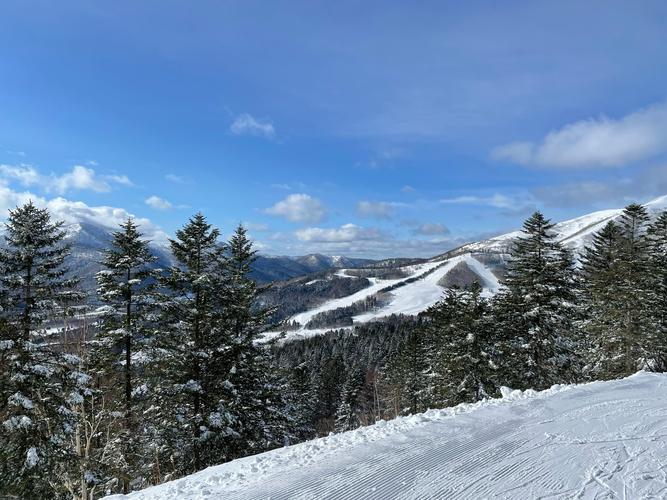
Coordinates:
(593, 441)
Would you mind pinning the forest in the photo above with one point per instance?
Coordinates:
(161, 372)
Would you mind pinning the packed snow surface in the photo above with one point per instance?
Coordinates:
(596, 440)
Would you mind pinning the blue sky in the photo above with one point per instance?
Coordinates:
(363, 128)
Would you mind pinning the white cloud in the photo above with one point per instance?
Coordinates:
(430, 229)
(345, 233)
(124, 180)
(299, 207)
(377, 209)
(176, 179)
(496, 201)
(255, 226)
(158, 203)
(246, 124)
(601, 142)
(78, 179)
(408, 189)
(73, 212)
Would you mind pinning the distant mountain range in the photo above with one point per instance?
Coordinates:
(89, 239)
(403, 286)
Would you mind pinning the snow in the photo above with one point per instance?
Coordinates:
(376, 285)
(596, 440)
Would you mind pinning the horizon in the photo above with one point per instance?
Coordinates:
(371, 131)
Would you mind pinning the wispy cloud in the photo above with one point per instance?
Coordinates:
(246, 124)
(430, 229)
(344, 233)
(497, 201)
(158, 203)
(299, 207)
(377, 209)
(596, 142)
(80, 178)
(177, 179)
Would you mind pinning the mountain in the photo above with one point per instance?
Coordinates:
(268, 268)
(595, 440)
(400, 286)
(89, 238)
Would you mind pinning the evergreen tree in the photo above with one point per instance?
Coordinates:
(409, 373)
(258, 406)
(187, 342)
(657, 234)
(601, 269)
(464, 367)
(347, 414)
(126, 286)
(40, 382)
(536, 310)
(635, 282)
(621, 288)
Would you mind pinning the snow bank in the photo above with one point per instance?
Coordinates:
(603, 439)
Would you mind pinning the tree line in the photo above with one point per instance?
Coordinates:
(167, 377)
(557, 320)
(164, 379)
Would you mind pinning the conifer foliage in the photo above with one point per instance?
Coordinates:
(536, 312)
(126, 286)
(40, 383)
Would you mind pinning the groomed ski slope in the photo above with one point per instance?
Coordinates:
(591, 441)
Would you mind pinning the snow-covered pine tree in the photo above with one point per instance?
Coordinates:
(40, 381)
(657, 234)
(347, 414)
(464, 361)
(636, 289)
(301, 403)
(186, 345)
(126, 287)
(258, 406)
(408, 381)
(604, 344)
(536, 310)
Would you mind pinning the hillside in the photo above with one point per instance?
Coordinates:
(89, 237)
(411, 289)
(596, 440)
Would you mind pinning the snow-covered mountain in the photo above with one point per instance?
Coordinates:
(595, 440)
(270, 268)
(412, 287)
(90, 234)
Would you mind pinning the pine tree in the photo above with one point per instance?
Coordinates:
(536, 311)
(41, 383)
(258, 406)
(187, 342)
(408, 379)
(601, 268)
(126, 286)
(620, 291)
(657, 234)
(464, 367)
(347, 414)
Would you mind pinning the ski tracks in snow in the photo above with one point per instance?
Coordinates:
(604, 440)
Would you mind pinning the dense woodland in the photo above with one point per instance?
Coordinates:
(167, 377)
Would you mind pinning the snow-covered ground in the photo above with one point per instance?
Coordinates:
(592, 441)
(411, 298)
(419, 295)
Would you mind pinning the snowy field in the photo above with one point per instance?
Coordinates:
(600, 440)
